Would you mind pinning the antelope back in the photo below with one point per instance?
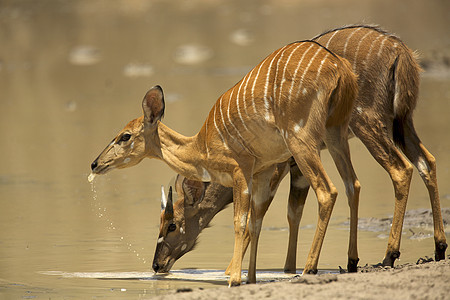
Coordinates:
(388, 70)
(281, 92)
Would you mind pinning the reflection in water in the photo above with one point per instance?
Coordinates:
(73, 73)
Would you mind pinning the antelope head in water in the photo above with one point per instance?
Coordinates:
(182, 221)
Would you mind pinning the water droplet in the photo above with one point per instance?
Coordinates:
(91, 177)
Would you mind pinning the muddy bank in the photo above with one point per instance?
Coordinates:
(418, 223)
(423, 280)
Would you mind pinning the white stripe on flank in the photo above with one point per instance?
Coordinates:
(348, 39)
(254, 84)
(306, 70)
(245, 91)
(223, 120)
(381, 46)
(218, 130)
(237, 104)
(357, 49)
(326, 46)
(370, 50)
(206, 134)
(229, 117)
(284, 72)
(228, 108)
(276, 72)
(298, 68)
(160, 240)
(266, 87)
(319, 69)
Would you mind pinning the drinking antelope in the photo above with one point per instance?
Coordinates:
(297, 98)
(382, 118)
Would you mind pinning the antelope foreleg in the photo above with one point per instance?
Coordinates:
(310, 165)
(337, 143)
(297, 197)
(241, 201)
(261, 199)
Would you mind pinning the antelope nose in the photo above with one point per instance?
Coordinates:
(155, 267)
(94, 165)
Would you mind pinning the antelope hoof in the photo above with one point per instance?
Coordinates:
(312, 272)
(390, 258)
(234, 283)
(352, 265)
(439, 253)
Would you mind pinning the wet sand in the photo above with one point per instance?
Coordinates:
(424, 280)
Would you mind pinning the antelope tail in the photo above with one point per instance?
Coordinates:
(405, 82)
(343, 96)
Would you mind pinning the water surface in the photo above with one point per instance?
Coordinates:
(73, 73)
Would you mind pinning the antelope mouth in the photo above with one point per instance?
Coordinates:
(166, 268)
(102, 169)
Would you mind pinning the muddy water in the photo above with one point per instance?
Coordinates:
(73, 73)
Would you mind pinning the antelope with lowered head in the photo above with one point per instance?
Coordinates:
(297, 98)
(388, 75)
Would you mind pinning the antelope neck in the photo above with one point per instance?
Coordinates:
(183, 154)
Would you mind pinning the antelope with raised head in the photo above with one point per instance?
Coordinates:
(382, 118)
(297, 98)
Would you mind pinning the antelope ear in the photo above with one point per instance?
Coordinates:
(168, 211)
(163, 199)
(194, 191)
(153, 105)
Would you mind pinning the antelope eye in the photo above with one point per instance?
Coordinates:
(172, 227)
(125, 137)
